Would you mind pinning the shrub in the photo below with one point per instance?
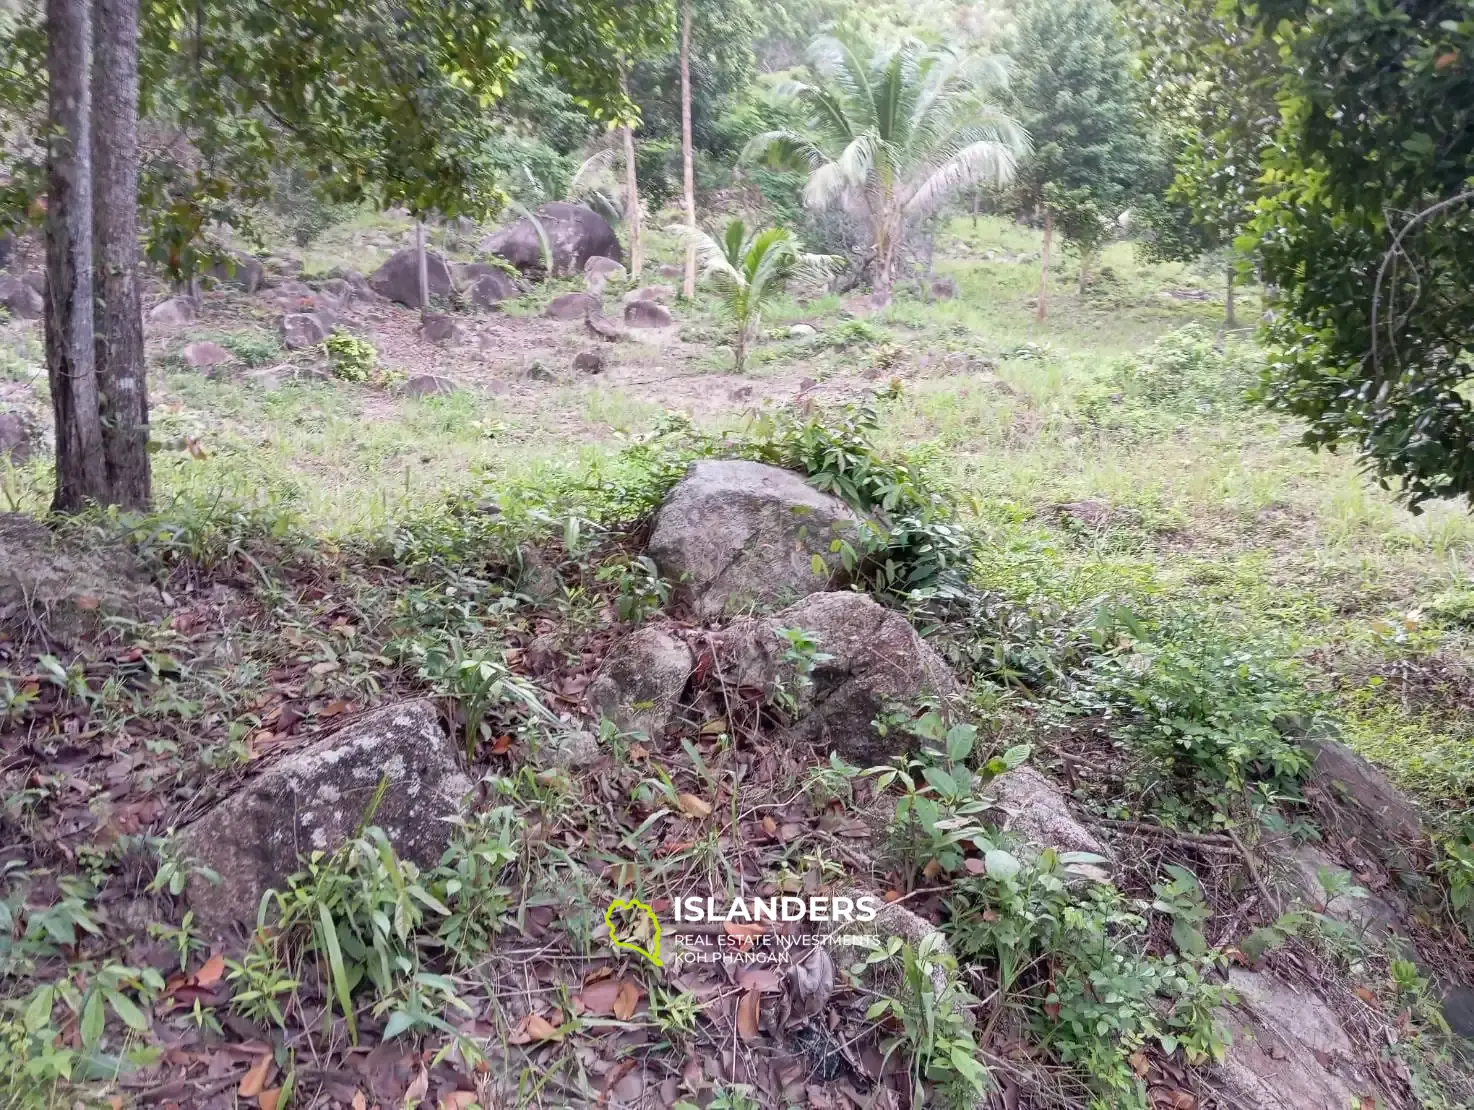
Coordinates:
(353, 358)
(1183, 374)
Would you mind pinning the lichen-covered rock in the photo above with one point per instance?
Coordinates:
(315, 799)
(53, 591)
(647, 314)
(1033, 807)
(571, 306)
(398, 279)
(869, 658)
(1288, 1051)
(574, 233)
(733, 535)
(1325, 885)
(303, 329)
(641, 681)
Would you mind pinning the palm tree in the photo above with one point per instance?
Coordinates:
(749, 271)
(895, 134)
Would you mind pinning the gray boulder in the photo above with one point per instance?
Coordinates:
(440, 327)
(598, 271)
(575, 233)
(53, 590)
(732, 535)
(240, 270)
(19, 299)
(398, 279)
(315, 799)
(1367, 808)
(571, 306)
(303, 329)
(647, 314)
(16, 435)
(1033, 807)
(589, 362)
(641, 681)
(943, 289)
(1289, 1051)
(203, 355)
(173, 313)
(492, 289)
(429, 385)
(802, 331)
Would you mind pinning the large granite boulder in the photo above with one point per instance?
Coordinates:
(173, 313)
(54, 591)
(398, 279)
(315, 799)
(734, 535)
(868, 659)
(575, 233)
(1367, 808)
(641, 681)
(303, 329)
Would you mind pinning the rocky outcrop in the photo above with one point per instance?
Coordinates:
(398, 279)
(574, 233)
(571, 306)
(647, 314)
(17, 435)
(641, 682)
(491, 289)
(1368, 808)
(52, 590)
(868, 658)
(19, 299)
(315, 799)
(1288, 1051)
(734, 535)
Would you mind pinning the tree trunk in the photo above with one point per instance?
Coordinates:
(1229, 320)
(688, 285)
(977, 200)
(632, 205)
(423, 265)
(81, 471)
(1044, 260)
(121, 378)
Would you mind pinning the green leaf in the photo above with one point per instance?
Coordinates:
(1002, 865)
(1189, 940)
(124, 1007)
(1017, 755)
(93, 1017)
(940, 781)
(38, 1012)
(818, 566)
(876, 1009)
(329, 938)
(398, 1022)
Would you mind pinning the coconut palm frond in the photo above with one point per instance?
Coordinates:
(985, 162)
(594, 173)
(784, 147)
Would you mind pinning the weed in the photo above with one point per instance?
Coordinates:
(354, 359)
(641, 591)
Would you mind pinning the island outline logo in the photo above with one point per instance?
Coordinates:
(652, 953)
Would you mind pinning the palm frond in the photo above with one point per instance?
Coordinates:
(594, 172)
(784, 147)
(984, 162)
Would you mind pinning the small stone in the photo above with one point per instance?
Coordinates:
(242, 271)
(491, 289)
(647, 314)
(607, 267)
(302, 329)
(173, 313)
(802, 331)
(429, 385)
(539, 373)
(571, 306)
(203, 354)
(572, 750)
(589, 362)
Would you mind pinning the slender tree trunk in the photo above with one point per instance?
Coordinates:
(688, 285)
(121, 378)
(423, 265)
(81, 471)
(1229, 320)
(977, 200)
(1044, 260)
(632, 205)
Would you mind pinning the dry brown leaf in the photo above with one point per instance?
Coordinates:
(1184, 1100)
(254, 1081)
(540, 1028)
(747, 1014)
(714, 728)
(598, 998)
(1365, 995)
(87, 601)
(627, 999)
(770, 827)
(744, 928)
(932, 869)
(269, 1099)
(639, 752)
(458, 1100)
(209, 974)
(359, 1102)
(1139, 1063)
(327, 666)
(418, 1087)
(692, 806)
(974, 866)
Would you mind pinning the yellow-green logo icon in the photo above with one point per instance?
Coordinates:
(633, 925)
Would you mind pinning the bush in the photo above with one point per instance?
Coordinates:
(353, 358)
(1183, 374)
